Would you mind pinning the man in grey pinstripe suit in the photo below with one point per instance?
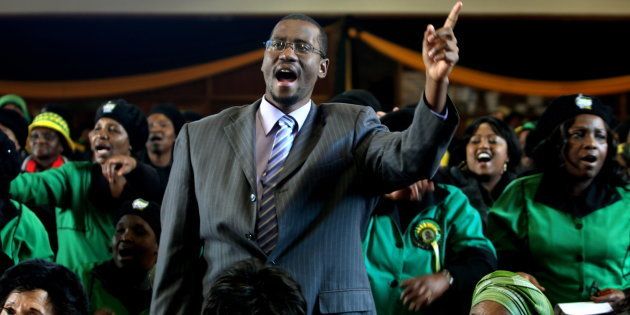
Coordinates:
(340, 161)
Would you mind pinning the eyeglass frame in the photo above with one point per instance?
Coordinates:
(286, 44)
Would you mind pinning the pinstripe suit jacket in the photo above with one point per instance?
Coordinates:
(341, 160)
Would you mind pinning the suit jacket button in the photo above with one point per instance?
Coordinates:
(252, 198)
(249, 236)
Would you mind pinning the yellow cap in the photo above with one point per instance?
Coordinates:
(55, 122)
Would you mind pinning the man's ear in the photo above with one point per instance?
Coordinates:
(323, 68)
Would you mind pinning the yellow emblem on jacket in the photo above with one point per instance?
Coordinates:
(426, 235)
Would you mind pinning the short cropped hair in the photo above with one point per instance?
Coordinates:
(65, 292)
(251, 288)
(322, 38)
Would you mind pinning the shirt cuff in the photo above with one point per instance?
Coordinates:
(441, 116)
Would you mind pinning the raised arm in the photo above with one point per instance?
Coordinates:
(440, 54)
(399, 159)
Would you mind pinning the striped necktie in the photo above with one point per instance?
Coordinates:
(267, 220)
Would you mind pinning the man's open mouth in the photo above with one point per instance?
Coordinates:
(286, 75)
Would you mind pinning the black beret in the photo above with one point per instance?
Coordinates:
(130, 117)
(149, 211)
(172, 113)
(14, 121)
(565, 108)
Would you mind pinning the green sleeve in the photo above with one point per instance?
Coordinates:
(467, 227)
(29, 238)
(51, 187)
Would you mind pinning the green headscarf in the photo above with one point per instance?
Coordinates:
(17, 100)
(515, 293)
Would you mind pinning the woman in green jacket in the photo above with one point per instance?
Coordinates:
(567, 229)
(425, 251)
(85, 192)
(22, 235)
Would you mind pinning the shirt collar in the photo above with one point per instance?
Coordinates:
(269, 115)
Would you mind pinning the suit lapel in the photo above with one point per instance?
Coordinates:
(241, 133)
(305, 140)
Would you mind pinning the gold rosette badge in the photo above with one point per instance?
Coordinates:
(426, 235)
(426, 232)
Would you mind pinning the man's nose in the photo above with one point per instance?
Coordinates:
(288, 53)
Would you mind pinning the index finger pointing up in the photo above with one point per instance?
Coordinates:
(452, 17)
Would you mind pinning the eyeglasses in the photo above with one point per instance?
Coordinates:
(298, 48)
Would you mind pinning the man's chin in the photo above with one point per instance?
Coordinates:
(285, 100)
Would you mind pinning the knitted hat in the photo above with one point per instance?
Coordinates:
(9, 159)
(358, 97)
(14, 121)
(55, 122)
(172, 113)
(130, 117)
(19, 102)
(149, 211)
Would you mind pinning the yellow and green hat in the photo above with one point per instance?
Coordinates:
(55, 122)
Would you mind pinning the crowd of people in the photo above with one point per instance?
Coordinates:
(285, 206)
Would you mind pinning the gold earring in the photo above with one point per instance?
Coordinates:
(505, 166)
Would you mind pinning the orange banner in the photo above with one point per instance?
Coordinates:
(487, 81)
(128, 84)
